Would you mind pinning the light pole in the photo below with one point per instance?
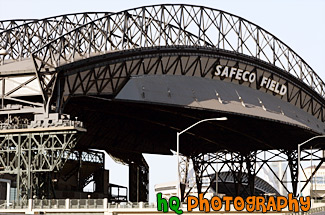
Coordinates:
(299, 145)
(311, 170)
(178, 134)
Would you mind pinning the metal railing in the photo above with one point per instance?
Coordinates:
(72, 204)
(310, 212)
(65, 123)
(99, 204)
(13, 205)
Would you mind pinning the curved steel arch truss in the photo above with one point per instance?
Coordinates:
(33, 34)
(148, 26)
(59, 45)
(8, 24)
(106, 75)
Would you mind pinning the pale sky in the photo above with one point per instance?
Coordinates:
(298, 23)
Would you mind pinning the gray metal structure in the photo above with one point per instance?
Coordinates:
(7, 24)
(31, 151)
(29, 155)
(124, 60)
(154, 27)
(38, 33)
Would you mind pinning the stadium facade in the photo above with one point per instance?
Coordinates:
(126, 82)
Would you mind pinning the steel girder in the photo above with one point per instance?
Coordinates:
(40, 32)
(150, 26)
(160, 26)
(250, 160)
(139, 180)
(111, 71)
(293, 166)
(243, 168)
(82, 35)
(8, 24)
(31, 156)
(202, 164)
(183, 164)
(288, 160)
(21, 39)
(86, 156)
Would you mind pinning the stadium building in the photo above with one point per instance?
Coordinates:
(127, 82)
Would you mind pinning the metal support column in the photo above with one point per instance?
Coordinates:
(293, 166)
(35, 154)
(139, 180)
(183, 171)
(251, 171)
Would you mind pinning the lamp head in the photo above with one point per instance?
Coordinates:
(221, 118)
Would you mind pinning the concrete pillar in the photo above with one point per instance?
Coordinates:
(8, 194)
(105, 201)
(30, 206)
(67, 204)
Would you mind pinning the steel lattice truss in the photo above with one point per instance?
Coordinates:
(187, 38)
(109, 76)
(239, 168)
(37, 33)
(41, 151)
(59, 40)
(29, 154)
(7, 24)
(170, 25)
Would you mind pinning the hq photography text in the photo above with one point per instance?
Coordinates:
(229, 203)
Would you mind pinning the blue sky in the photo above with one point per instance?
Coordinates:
(298, 23)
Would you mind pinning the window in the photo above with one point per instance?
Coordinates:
(318, 180)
